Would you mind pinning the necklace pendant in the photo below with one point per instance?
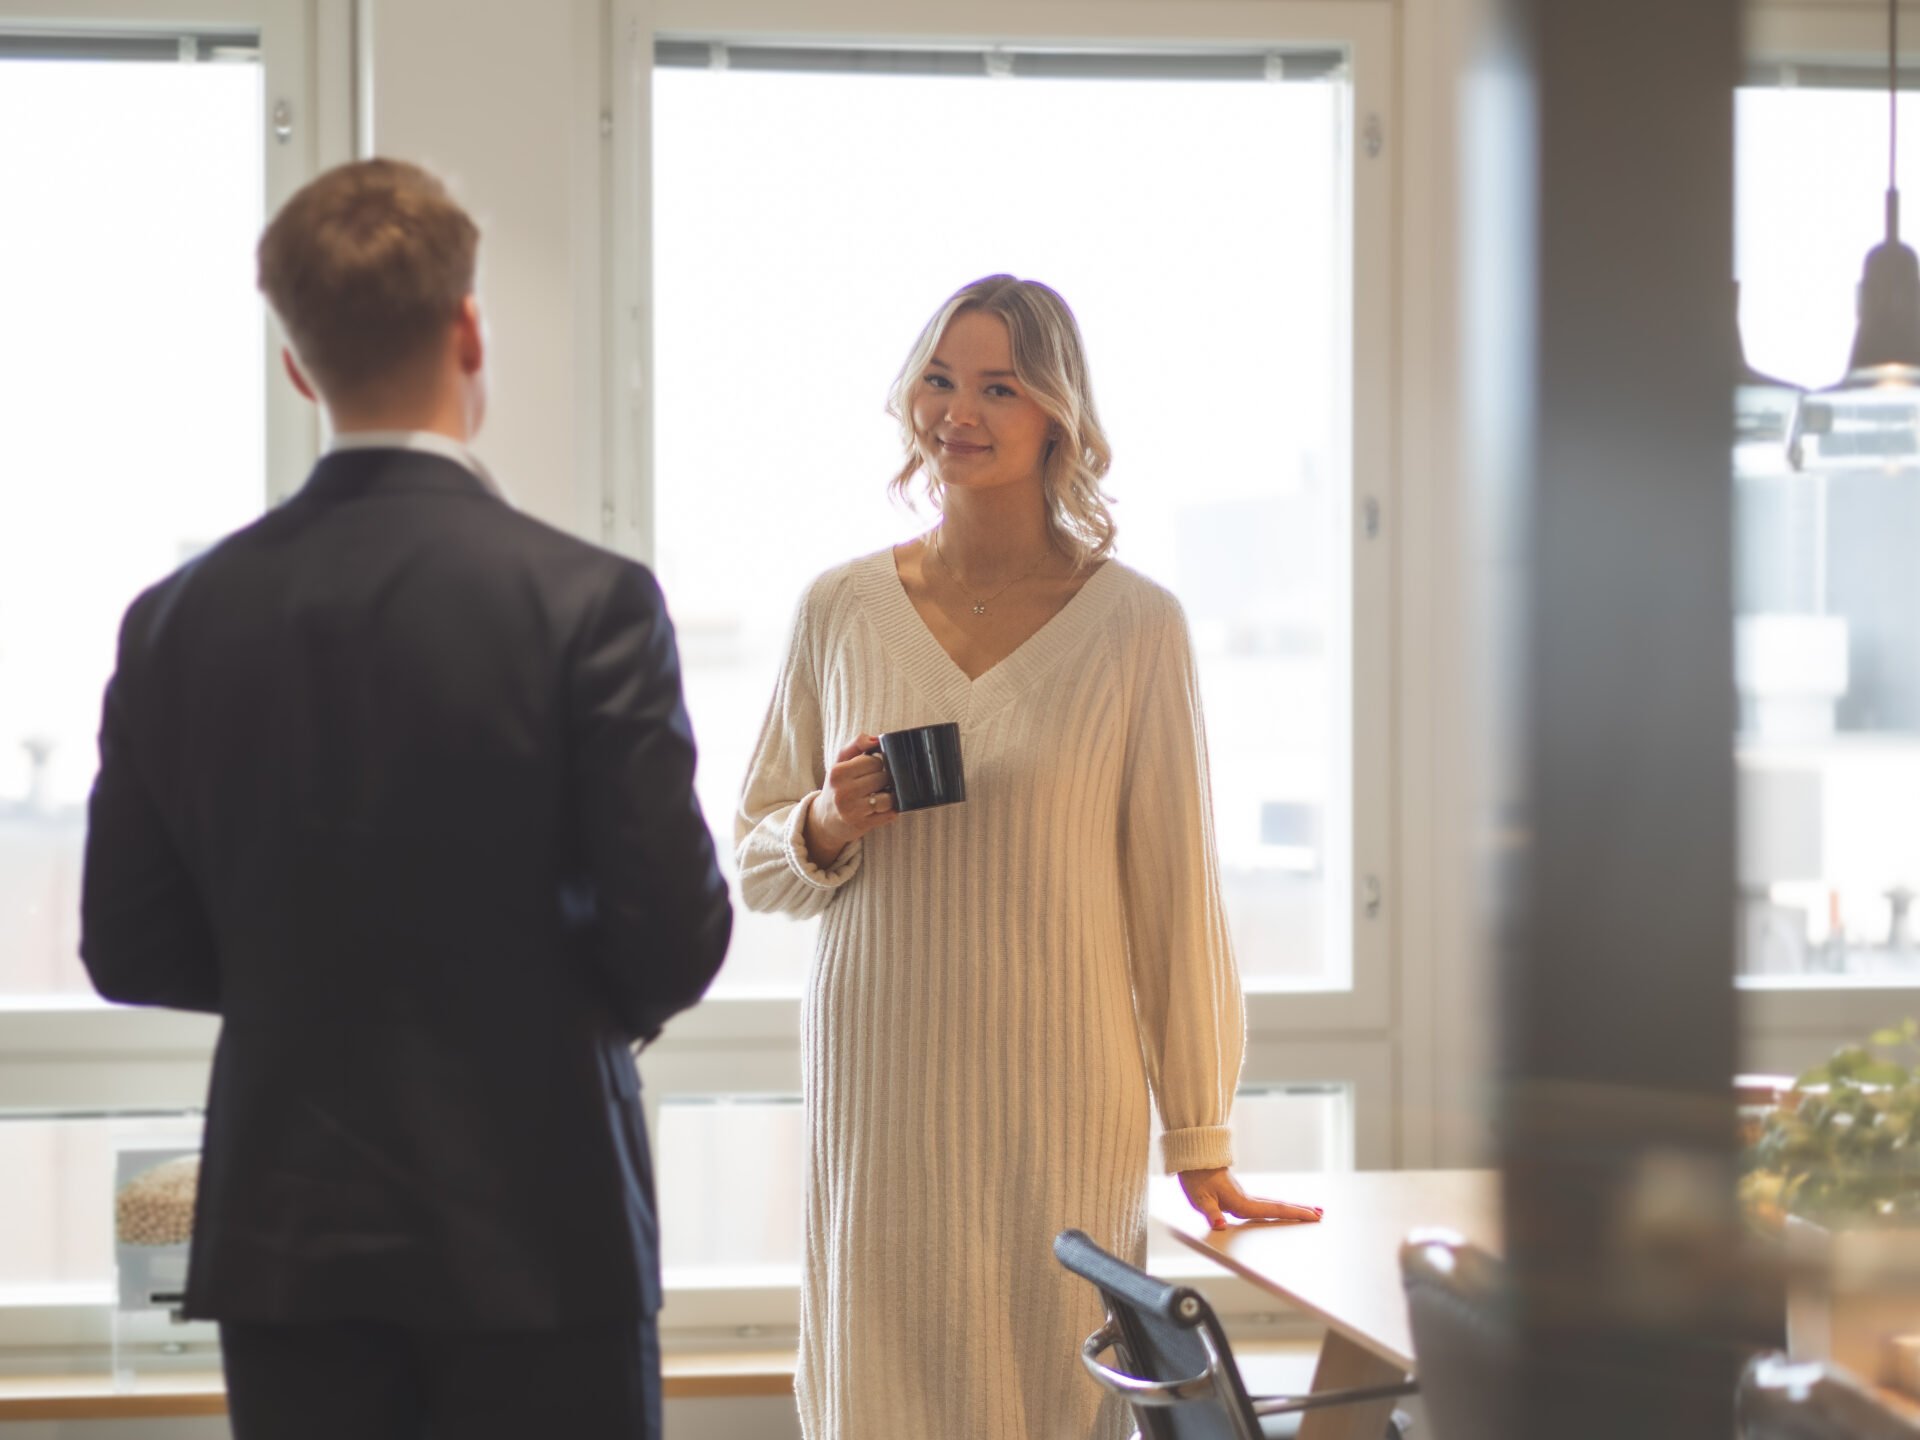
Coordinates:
(979, 609)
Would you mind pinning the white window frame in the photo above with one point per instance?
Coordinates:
(71, 1053)
(1788, 1025)
(750, 1045)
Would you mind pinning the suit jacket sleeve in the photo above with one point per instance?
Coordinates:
(661, 917)
(145, 936)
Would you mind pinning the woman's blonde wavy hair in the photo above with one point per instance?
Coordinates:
(1050, 362)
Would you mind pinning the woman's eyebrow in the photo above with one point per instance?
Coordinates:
(988, 374)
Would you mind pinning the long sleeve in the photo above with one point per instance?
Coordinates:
(660, 913)
(789, 767)
(145, 935)
(1186, 986)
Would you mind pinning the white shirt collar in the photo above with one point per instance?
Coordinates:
(427, 442)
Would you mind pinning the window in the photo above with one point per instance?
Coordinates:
(805, 222)
(139, 161)
(1828, 597)
(137, 423)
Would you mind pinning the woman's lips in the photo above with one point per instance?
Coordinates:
(961, 447)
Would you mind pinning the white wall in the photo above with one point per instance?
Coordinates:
(503, 100)
(1445, 991)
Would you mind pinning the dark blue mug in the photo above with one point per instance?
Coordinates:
(923, 766)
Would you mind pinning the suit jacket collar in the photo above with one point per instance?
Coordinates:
(355, 474)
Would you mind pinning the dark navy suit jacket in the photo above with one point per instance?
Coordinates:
(398, 782)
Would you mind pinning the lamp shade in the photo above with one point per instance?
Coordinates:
(1889, 309)
(1871, 419)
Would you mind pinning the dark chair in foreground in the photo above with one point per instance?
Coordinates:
(1179, 1376)
(1463, 1339)
(1781, 1400)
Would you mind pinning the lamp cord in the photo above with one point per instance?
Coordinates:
(1893, 119)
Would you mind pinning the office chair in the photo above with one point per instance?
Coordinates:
(1781, 1400)
(1181, 1379)
(1463, 1340)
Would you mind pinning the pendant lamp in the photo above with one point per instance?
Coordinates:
(1871, 419)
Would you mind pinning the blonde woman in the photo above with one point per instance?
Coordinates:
(999, 984)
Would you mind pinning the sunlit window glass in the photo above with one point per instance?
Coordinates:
(805, 226)
(131, 359)
(1828, 591)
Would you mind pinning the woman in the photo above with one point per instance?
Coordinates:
(998, 983)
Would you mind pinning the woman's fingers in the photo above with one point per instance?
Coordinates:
(855, 781)
(859, 745)
(1205, 1203)
(1216, 1194)
(1249, 1207)
(860, 765)
(857, 791)
(1236, 1201)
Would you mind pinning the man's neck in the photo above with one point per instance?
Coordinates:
(453, 427)
(399, 425)
(440, 414)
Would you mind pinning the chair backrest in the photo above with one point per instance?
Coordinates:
(1781, 1400)
(1166, 1334)
(1463, 1337)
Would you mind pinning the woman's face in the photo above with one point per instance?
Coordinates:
(975, 424)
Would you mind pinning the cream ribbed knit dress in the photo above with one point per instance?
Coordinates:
(996, 986)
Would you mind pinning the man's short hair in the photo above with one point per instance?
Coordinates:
(366, 267)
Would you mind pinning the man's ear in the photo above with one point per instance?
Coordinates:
(293, 374)
(470, 337)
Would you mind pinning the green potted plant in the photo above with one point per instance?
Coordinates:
(1843, 1146)
(1835, 1168)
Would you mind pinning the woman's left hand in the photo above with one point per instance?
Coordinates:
(1216, 1195)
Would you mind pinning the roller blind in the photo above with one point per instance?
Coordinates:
(190, 46)
(1010, 62)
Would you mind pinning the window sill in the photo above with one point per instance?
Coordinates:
(689, 1375)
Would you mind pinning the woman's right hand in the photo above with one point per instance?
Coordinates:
(853, 802)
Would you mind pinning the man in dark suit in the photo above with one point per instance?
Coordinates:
(398, 782)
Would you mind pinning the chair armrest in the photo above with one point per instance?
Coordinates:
(1134, 1389)
(1294, 1404)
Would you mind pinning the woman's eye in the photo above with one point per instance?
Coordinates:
(1002, 390)
(939, 382)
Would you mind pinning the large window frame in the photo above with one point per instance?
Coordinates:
(1788, 1024)
(72, 1053)
(65, 1055)
(750, 1044)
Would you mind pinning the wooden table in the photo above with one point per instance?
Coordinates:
(1346, 1270)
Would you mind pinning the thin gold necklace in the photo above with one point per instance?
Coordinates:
(978, 603)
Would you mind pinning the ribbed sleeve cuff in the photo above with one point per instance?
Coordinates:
(835, 875)
(1201, 1147)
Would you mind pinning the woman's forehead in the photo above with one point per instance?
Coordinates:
(976, 340)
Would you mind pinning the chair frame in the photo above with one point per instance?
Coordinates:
(1215, 1382)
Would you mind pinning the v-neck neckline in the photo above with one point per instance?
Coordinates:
(937, 674)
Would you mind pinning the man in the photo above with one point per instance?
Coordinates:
(398, 782)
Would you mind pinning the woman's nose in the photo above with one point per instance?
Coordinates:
(962, 411)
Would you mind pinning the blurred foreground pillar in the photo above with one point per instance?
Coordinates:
(1599, 238)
